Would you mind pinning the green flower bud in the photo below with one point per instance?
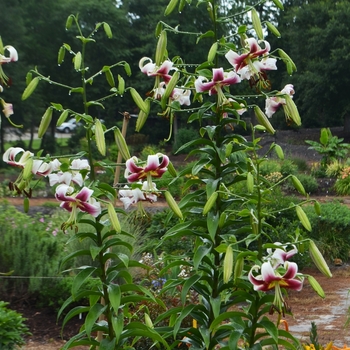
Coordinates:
(317, 208)
(291, 110)
(121, 144)
(121, 85)
(303, 218)
(279, 151)
(100, 137)
(30, 88)
(257, 24)
(127, 69)
(172, 204)
(109, 77)
(161, 47)
(141, 120)
(148, 321)
(238, 269)
(63, 117)
(263, 120)
(169, 89)
(171, 7)
(316, 286)
(27, 171)
(298, 185)
(45, 122)
(212, 52)
(210, 202)
(139, 101)
(273, 29)
(77, 61)
(228, 264)
(318, 259)
(113, 217)
(107, 30)
(69, 21)
(279, 4)
(26, 204)
(250, 182)
(61, 54)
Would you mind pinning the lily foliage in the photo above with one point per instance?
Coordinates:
(235, 276)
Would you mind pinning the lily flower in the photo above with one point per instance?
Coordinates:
(182, 96)
(156, 166)
(276, 278)
(11, 156)
(41, 168)
(75, 202)
(272, 104)
(152, 70)
(8, 108)
(280, 256)
(12, 57)
(130, 196)
(220, 79)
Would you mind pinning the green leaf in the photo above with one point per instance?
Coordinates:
(270, 328)
(76, 311)
(107, 344)
(94, 313)
(208, 34)
(81, 277)
(94, 251)
(114, 294)
(184, 313)
(200, 253)
(187, 286)
(118, 325)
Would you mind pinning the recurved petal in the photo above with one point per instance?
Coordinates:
(84, 194)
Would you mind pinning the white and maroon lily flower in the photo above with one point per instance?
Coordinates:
(220, 79)
(41, 168)
(130, 196)
(8, 108)
(152, 70)
(248, 63)
(280, 255)
(13, 55)
(286, 277)
(16, 156)
(156, 166)
(182, 96)
(81, 201)
(272, 104)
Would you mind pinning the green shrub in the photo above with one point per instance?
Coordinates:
(331, 230)
(150, 149)
(342, 186)
(334, 169)
(288, 168)
(301, 164)
(270, 166)
(183, 136)
(12, 328)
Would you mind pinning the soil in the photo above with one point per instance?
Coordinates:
(330, 314)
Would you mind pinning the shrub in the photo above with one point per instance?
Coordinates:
(183, 136)
(301, 164)
(12, 328)
(342, 186)
(270, 166)
(331, 230)
(288, 168)
(334, 169)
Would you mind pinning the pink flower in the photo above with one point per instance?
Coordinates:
(156, 166)
(8, 108)
(73, 201)
(130, 196)
(12, 57)
(11, 156)
(220, 79)
(152, 70)
(272, 104)
(248, 63)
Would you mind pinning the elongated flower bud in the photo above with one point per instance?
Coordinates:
(113, 217)
(121, 144)
(303, 218)
(298, 185)
(318, 259)
(291, 110)
(317, 208)
(238, 269)
(30, 88)
(278, 3)
(273, 29)
(212, 52)
(171, 7)
(250, 182)
(77, 61)
(141, 120)
(210, 202)
(27, 171)
(148, 321)
(45, 122)
(121, 85)
(262, 119)
(172, 204)
(109, 77)
(228, 264)
(26, 204)
(316, 286)
(279, 151)
(100, 137)
(107, 30)
(69, 21)
(63, 117)
(139, 101)
(161, 47)
(61, 54)
(257, 24)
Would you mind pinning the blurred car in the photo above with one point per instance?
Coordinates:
(68, 126)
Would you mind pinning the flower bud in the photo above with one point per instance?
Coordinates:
(27, 171)
(30, 88)
(69, 21)
(127, 69)
(286, 59)
(228, 264)
(63, 117)
(291, 110)
(139, 101)
(171, 7)
(303, 218)
(161, 48)
(279, 151)
(141, 120)
(222, 219)
(171, 169)
(148, 321)
(212, 52)
(45, 122)
(109, 77)
(273, 29)
(113, 217)
(107, 30)
(121, 144)
(316, 286)
(262, 119)
(61, 54)
(298, 185)
(77, 61)
(257, 24)
(250, 182)
(278, 3)
(318, 259)
(317, 208)
(121, 85)
(26, 204)
(169, 88)
(210, 202)
(238, 269)
(172, 204)
(100, 137)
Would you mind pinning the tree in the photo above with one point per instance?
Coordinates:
(317, 37)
